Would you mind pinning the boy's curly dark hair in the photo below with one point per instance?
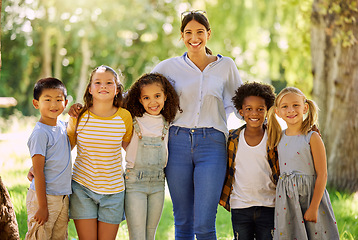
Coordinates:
(171, 105)
(266, 91)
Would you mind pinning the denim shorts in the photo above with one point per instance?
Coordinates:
(86, 204)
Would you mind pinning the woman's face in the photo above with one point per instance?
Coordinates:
(195, 36)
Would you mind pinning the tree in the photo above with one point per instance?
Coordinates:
(9, 229)
(8, 224)
(334, 50)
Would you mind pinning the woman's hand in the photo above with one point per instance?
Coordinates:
(75, 110)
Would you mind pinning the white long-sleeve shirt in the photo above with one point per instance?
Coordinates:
(150, 126)
(205, 96)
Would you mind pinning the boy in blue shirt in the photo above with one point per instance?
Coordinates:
(47, 199)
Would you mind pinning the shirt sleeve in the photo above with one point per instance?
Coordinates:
(232, 83)
(158, 68)
(37, 143)
(127, 118)
(71, 131)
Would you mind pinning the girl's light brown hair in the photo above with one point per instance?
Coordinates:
(87, 97)
(273, 127)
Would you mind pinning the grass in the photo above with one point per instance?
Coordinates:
(17, 185)
(345, 207)
(15, 162)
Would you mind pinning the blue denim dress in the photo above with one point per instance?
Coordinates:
(145, 185)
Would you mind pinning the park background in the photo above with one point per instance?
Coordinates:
(310, 44)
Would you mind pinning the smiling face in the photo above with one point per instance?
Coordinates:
(291, 109)
(152, 98)
(195, 36)
(51, 104)
(254, 111)
(103, 86)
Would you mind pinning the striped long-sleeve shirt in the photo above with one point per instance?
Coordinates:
(98, 165)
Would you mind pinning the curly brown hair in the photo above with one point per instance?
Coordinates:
(171, 105)
(265, 91)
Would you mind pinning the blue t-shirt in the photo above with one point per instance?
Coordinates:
(52, 142)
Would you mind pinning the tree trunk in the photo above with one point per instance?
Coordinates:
(0, 31)
(8, 224)
(335, 88)
(58, 55)
(86, 58)
(46, 70)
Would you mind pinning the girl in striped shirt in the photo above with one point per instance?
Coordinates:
(100, 131)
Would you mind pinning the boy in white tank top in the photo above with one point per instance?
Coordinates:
(252, 173)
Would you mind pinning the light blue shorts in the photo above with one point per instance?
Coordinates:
(86, 204)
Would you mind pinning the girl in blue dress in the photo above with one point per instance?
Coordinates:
(303, 208)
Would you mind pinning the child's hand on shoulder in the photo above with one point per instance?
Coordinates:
(30, 174)
(311, 215)
(41, 216)
(75, 110)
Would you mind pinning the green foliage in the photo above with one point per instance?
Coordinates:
(269, 40)
(342, 16)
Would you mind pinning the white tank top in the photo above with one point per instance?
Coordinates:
(252, 185)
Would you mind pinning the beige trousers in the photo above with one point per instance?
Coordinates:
(56, 225)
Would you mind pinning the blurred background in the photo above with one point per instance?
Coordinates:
(268, 40)
(309, 44)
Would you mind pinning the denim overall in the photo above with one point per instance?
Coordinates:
(145, 185)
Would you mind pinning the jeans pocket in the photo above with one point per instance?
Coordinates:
(217, 137)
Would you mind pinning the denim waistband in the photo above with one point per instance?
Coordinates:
(202, 131)
(144, 173)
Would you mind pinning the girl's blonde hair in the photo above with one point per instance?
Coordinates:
(273, 127)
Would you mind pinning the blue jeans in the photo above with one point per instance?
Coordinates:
(195, 174)
(253, 223)
(143, 205)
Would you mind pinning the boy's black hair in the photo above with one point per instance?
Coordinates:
(266, 91)
(48, 83)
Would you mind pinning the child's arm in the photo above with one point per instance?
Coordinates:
(71, 131)
(127, 118)
(38, 163)
(125, 145)
(319, 158)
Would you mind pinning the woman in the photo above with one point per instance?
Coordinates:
(197, 138)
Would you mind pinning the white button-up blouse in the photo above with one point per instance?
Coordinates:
(205, 96)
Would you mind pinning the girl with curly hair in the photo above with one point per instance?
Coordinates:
(153, 104)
